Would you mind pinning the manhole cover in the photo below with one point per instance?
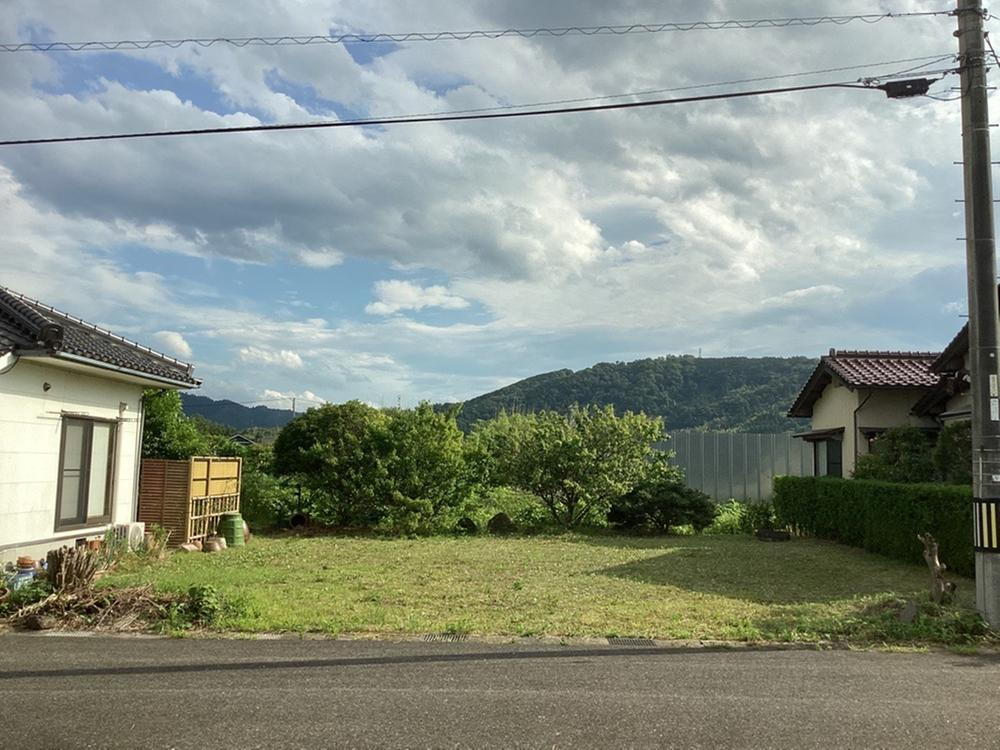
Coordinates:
(630, 642)
(445, 637)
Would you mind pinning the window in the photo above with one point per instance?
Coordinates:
(86, 471)
(828, 458)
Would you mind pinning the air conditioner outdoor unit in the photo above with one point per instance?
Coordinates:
(131, 533)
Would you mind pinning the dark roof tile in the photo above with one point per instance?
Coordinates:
(27, 324)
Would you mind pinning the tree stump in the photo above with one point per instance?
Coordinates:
(942, 590)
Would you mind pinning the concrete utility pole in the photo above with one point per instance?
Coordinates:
(984, 344)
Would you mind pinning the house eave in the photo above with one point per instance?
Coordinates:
(144, 378)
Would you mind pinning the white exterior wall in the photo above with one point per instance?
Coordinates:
(30, 435)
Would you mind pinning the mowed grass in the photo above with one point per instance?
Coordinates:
(699, 587)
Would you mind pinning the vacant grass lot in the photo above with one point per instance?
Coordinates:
(703, 587)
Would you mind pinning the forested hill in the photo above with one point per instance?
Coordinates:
(234, 415)
(729, 393)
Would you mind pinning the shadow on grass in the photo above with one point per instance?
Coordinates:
(796, 572)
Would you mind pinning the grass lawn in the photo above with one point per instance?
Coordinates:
(701, 587)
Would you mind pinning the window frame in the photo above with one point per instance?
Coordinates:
(85, 470)
(826, 446)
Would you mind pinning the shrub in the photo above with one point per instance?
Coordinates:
(901, 454)
(525, 510)
(658, 505)
(881, 517)
(31, 592)
(953, 453)
(575, 463)
(742, 517)
(266, 500)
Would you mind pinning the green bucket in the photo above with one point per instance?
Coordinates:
(231, 528)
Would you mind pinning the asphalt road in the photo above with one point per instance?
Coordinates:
(89, 692)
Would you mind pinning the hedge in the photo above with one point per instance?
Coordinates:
(881, 517)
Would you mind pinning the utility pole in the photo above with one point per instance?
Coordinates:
(984, 344)
(293, 404)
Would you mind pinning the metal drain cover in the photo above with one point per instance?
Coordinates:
(446, 637)
(630, 642)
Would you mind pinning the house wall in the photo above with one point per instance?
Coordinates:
(835, 408)
(30, 435)
(878, 408)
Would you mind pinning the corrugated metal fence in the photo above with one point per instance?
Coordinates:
(738, 465)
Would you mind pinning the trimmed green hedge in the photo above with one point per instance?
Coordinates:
(881, 517)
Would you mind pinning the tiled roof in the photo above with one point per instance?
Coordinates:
(883, 369)
(864, 369)
(29, 325)
(953, 356)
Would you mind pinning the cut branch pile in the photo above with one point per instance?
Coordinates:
(71, 569)
(117, 610)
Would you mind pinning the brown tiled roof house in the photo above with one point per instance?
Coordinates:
(852, 397)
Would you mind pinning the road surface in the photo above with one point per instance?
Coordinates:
(92, 692)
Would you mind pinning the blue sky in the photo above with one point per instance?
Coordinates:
(438, 262)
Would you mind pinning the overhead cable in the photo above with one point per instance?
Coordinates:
(460, 36)
(435, 118)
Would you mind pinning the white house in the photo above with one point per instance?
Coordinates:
(70, 425)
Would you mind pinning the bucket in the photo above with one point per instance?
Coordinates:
(231, 529)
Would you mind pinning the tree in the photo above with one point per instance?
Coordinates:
(577, 463)
(427, 474)
(166, 432)
(337, 451)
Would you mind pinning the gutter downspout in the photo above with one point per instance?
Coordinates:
(138, 457)
(860, 406)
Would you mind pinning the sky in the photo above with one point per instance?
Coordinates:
(440, 261)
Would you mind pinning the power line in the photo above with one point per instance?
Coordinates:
(460, 36)
(927, 60)
(411, 119)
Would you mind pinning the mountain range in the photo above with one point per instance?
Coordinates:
(746, 394)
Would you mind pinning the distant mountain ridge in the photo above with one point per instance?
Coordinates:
(746, 394)
(232, 414)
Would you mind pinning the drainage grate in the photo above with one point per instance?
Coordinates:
(630, 642)
(446, 637)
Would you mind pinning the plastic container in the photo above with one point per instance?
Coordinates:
(231, 529)
(25, 574)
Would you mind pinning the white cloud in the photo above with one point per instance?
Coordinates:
(598, 236)
(281, 358)
(395, 295)
(173, 343)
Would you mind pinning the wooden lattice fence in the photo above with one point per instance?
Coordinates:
(188, 498)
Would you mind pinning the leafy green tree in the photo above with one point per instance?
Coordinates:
(427, 474)
(577, 463)
(900, 454)
(166, 432)
(338, 452)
